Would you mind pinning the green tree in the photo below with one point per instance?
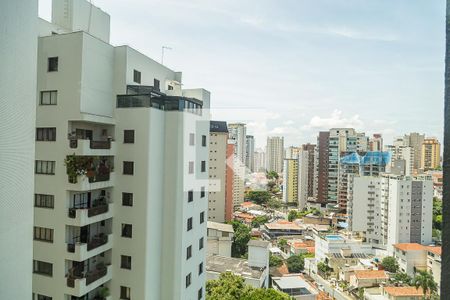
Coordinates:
(282, 244)
(390, 264)
(292, 215)
(240, 239)
(324, 269)
(259, 220)
(272, 175)
(437, 214)
(361, 293)
(233, 287)
(275, 261)
(274, 203)
(270, 185)
(295, 263)
(401, 277)
(426, 281)
(258, 197)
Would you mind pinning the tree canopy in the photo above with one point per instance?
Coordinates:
(259, 220)
(258, 197)
(295, 263)
(233, 287)
(426, 281)
(275, 261)
(390, 264)
(241, 238)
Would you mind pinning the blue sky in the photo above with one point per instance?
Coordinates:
(304, 65)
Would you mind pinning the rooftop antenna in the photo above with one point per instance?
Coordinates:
(162, 53)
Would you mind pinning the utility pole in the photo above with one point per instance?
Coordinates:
(162, 53)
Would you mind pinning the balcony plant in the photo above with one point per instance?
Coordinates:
(103, 293)
(79, 166)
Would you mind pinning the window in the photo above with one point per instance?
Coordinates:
(48, 98)
(156, 84)
(52, 64)
(191, 167)
(46, 201)
(188, 280)
(45, 167)
(128, 136)
(125, 293)
(189, 224)
(127, 230)
(125, 262)
(202, 192)
(190, 196)
(204, 140)
(201, 243)
(43, 234)
(191, 139)
(136, 76)
(202, 217)
(200, 269)
(127, 199)
(42, 297)
(46, 134)
(128, 168)
(203, 166)
(41, 267)
(188, 252)
(200, 293)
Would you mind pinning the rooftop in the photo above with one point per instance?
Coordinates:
(220, 226)
(409, 247)
(258, 243)
(218, 126)
(403, 291)
(293, 282)
(282, 224)
(371, 274)
(238, 266)
(435, 250)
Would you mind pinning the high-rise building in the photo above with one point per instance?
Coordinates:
(392, 209)
(292, 152)
(431, 154)
(402, 162)
(18, 48)
(274, 153)
(322, 158)
(304, 176)
(376, 142)
(238, 132)
(238, 181)
(260, 161)
(219, 201)
(310, 165)
(415, 141)
(250, 153)
(290, 180)
(121, 169)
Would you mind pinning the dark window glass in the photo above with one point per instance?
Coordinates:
(204, 140)
(46, 201)
(200, 269)
(46, 134)
(137, 76)
(127, 199)
(189, 224)
(128, 168)
(48, 98)
(52, 64)
(188, 280)
(190, 196)
(188, 252)
(128, 136)
(200, 293)
(42, 297)
(125, 262)
(45, 167)
(203, 166)
(127, 230)
(125, 293)
(202, 192)
(202, 217)
(42, 267)
(201, 243)
(156, 84)
(43, 234)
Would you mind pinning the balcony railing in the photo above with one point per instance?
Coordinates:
(90, 276)
(94, 242)
(73, 143)
(91, 212)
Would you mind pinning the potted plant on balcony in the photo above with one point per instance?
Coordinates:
(103, 293)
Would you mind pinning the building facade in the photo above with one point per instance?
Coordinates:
(431, 154)
(250, 153)
(238, 133)
(275, 153)
(290, 180)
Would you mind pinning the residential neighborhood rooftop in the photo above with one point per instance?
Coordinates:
(370, 274)
(220, 226)
(258, 243)
(409, 246)
(238, 266)
(403, 291)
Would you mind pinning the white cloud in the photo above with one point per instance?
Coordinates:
(288, 122)
(335, 120)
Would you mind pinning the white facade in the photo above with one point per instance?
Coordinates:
(237, 132)
(260, 161)
(250, 153)
(238, 181)
(18, 48)
(220, 238)
(303, 175)
(126, 225)
(274, 153)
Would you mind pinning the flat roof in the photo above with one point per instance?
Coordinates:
(258, 243)
(220, 226)
(371, 274)
(282, 225)
(238, 266)
(293, 282)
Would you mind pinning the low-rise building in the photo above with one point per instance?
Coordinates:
(295, 286)
(434, 264)
(368, 278)
(402, 293)
(281, 228)
(411, 257)
(220, 238)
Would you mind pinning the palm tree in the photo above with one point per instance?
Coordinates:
(426, 281)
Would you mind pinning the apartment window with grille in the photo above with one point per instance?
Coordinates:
(42, 297)
(127, 230)
(202, 192)
(127, 199)
(191, 167)
(190, 196)
(48, 98)
(188, 252)
(43, 234)
(200, 269)
(125, 262)
(46, 134)
(136, 76)
(52, 64)
(204, 140)
(42, 267)
(201, 242)
(200, 293)
(188, 280)
(203, 166)
(202, 217)
(128, 136)
(125, 293)
(191, 139)
(45, 167)
(156, 84)
(128, 168)
(46, 201)
(189, 224)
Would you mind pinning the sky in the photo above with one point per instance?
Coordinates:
(295, 67)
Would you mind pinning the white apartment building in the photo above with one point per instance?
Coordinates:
(238, 132)
(274, 153)
(121, 168)
(415, 141)
(402, 162)
(260, 161)
(392, 209)
(250, 153)
(292, 152)
(18, 54)
(290, 180)
(304, 178)
(238, 182)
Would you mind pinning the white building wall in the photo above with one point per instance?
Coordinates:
(303, 174)
(217, 175)
(18, 51)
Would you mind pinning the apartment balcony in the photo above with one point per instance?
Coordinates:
(85, 216)
(93, 182)
(80, 283)
(92, 147)
(80, 251)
